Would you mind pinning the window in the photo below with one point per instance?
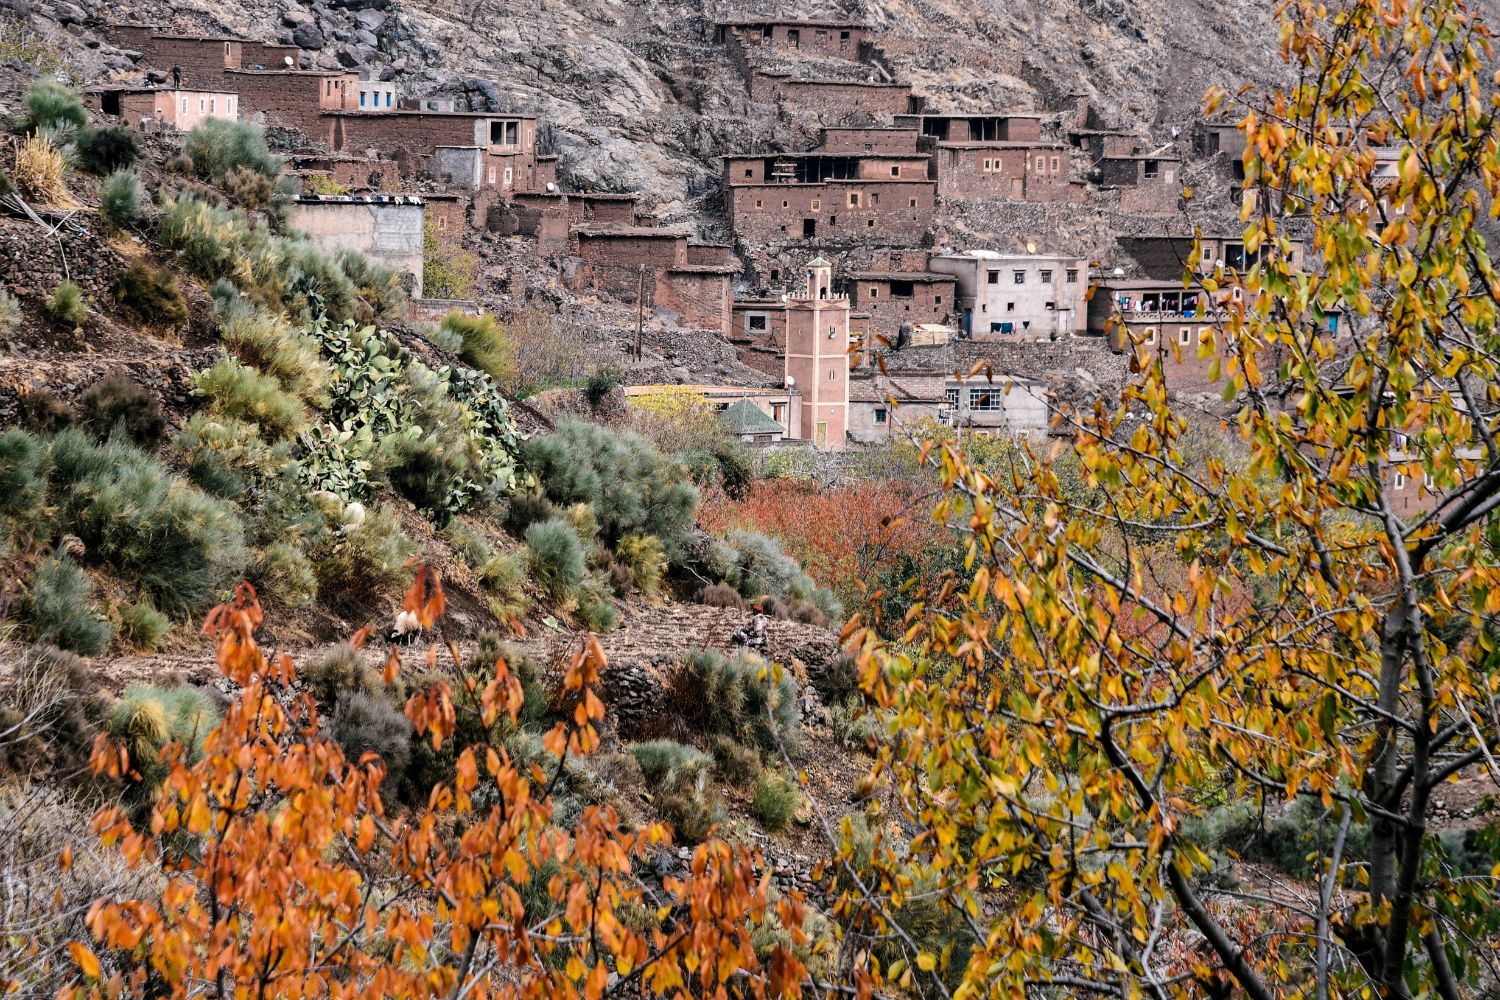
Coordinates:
(213, 105)
(809, 228)
(833, 375)
(853, 199)
(1046, 277)
(937, 300)
(1071, 275)
(1051, 306)
(843, 36)
(896, 171)
(833, 220)
(778, 413)
(952, 395)
(987, 167)
(1020, 277)
(875, 199)
(874, 292)
(757, 324)
(1208, 253)
(509, 174)
(1400, 481)
(201, 104)
(759, 203)
(1149, 336)
(1004, 327)
(361, 98)
(869, 223)
(817, 205)
(184, 105)
(492, 175)
(902, 289)
(1054, 164)
(1010, 307)
(1428, 481)
(388, 96)
(1041, 164)
(1184, 336)
(914, 203)
(986, 400)
(786, 204)
(879, 415)
(1168, 176)
(1152, 168)
(994, 278)
(794, 37)
(749, 171)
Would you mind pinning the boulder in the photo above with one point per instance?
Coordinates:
(370, 20)
(295, 17)
(307, 36)
(68, 13)
(348, 56)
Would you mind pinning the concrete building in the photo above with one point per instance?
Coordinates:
(377, 95)
(179, 109)
(388, 230)
(817, 356)
(1017, 296)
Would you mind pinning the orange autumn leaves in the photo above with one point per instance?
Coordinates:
(282, 875)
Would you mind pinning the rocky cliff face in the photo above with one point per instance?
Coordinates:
(639, 98)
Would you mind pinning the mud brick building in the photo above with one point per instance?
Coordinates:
(818, 340)
(837, 200)
(658, 265)
(993, 157)
(201, 60)
(826, 39)
(1017, 296)
(1166, 319)
(481, 152)
(293, 99)
(1169, 257)
(857, 140)
(179, 109)
(897, 299)
(833, 102)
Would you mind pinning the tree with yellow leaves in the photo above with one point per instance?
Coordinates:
(1063, 743)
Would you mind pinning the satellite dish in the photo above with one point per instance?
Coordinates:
(1119, 272)
(288, 61)
(790, 381)
(1030, 247)
(551, 187)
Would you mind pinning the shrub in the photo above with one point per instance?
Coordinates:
(51, 713)
(103, 150)
(488, 647)
(644, 556)
(268, 342)
(322, 184)
(526, 508)
(249, 188)
(42, 411)
(722, 595)
(604, 381)
(225, 457)
(282, 572)
(365, 722)
(40, 169)
(737, 763)
(119, 403)
(151, 297)
(555, 556)
(776, 800)
(238, 392)
(678, 775)
(425, 472)
(66, 306)
(758, 567)
(49, 104)
(60, 611)
(596, 612)
(23, 477)
(143, 625)
(122, 199)
(631, 486)
(854, 725)
(337, 674)
(741, 697)
(361, 561)
(217, 147)
(447, 271)
(176, 542)
(483, 345)
(148, 718)
(10, 313)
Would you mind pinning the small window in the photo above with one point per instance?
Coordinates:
(1400, 481)
(937, 300)
(213, 105)
(1208, 253)
(1020, 277)
(1428, 481)
(875, 199)
(896, 171)
(874, 292)
(758, 323)
(1041, 164)
(1046, 277)
(509, 175)
(914, 203)
(184, 105)
(1051, 307)
(786, 204)
(817, 205)
(994, 277)
(879, 415)
(1071, 276)
(759, 203)
(952, 395)
(869, 223)
(1184, 336)
(853, 199)
(833, 220)
(1054, 164)
(388, 96)
(832, 375)
(843, 36)
(361, 98)
(200, 105)
(987, 165)
(1010, 307)
(749, 171)
(1149, 336)
(1152, 168)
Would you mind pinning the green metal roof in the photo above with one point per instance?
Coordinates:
(745, 417)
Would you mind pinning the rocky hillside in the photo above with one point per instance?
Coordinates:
(640, 98)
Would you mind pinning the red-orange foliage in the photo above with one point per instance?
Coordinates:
(842, 535)
(285, 877)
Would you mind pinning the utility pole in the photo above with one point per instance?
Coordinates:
(640, 307)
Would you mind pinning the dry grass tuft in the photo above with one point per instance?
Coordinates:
(40, 170)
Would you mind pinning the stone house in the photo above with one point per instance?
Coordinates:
(1017, 296)
(791, 37)
(838, 199)
(896, 299)
(659, 266)
(993, 157)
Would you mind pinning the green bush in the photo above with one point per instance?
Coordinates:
(483, 344)
(151, 297)
(740, 697)
(102, 150)
(10, 313)
(775, 800)
(646, 559)
(118, 404)
(217, 147)
(66, 305)
(366, 722)
(271, 344)
(282, 572)
(678, 776)
(526, 508)
(24, 463)
(362, 561)
(488, 647)
(122, 199)
(143, 625)
(555, 556)
(61, 612)
(225, 457)
(41, 411)
(425, 472)
(49, 105)
(632, 487)
(335, 674)
(735, 762)
(757, 567)
(146, 720)
(604, 381)
(180, 545)
(596, 612)
(238, 392)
